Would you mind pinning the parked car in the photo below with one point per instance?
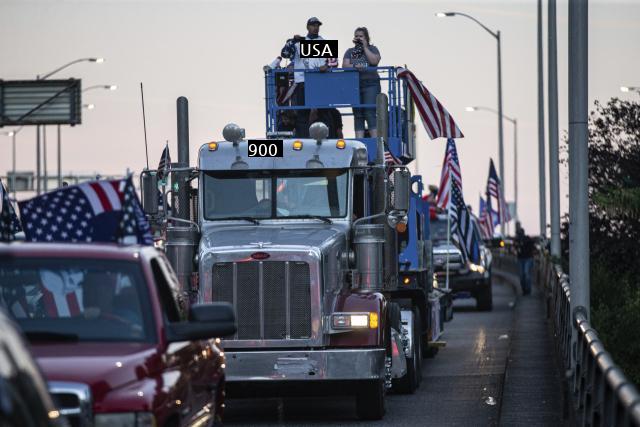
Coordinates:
(465, 278)
(24, 398)
(107, 332)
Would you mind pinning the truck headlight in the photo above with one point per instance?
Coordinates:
(125, 419)
(476, 268)
(354, 320)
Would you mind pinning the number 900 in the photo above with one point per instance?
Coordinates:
(271, 148)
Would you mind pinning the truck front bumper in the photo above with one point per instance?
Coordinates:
(305, 365)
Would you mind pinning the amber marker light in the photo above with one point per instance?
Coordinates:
(406, 280)
(340, 144)
(502, 243)
(373, 320)
(213, 146)
(401, 227)
(297, 145)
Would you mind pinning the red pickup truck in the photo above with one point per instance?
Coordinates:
(106, 327)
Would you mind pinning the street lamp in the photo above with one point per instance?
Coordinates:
(627, 89)
(98, 60)
(106, 87)
(515, 152)
(496, 35)
(89, 106)
(68, 64)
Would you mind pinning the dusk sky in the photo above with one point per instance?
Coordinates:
(212, 52)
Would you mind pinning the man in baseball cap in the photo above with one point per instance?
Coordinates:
(291, 50)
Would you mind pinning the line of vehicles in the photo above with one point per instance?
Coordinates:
(330, 258)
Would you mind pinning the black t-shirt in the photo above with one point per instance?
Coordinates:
(525, 247)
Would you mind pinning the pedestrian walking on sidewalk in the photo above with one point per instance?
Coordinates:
(524, 250)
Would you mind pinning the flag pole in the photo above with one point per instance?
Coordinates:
(448, 243)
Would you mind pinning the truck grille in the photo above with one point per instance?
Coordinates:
(272, 298)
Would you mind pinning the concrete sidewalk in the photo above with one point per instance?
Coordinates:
(533, 388)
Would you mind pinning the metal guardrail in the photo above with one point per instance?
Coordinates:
(600, 392)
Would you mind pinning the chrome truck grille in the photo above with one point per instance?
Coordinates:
(272, 298)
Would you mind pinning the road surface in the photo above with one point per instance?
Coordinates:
(461, 386)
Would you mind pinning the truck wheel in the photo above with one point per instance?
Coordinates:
(484, 297)
(370, 400)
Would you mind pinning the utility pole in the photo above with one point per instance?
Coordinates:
(579, 159)
(554, 173)
(541, 162)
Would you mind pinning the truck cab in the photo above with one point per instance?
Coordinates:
(320, 245)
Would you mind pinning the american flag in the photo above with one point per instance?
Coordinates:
(436, 119)
(450, 173)
(97, 211)
(462, 227)
(485, 220)
(165, 161)
(390, 159)
(494, 190)
(9, 222)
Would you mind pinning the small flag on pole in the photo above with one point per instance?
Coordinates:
(461, 226)
(485, 220)
(165, 161)
(494, 191)
(9, 222)
(450, 173)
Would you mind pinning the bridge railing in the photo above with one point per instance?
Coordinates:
(600, 392)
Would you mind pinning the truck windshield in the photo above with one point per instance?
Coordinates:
(276, 194)
(77, 299)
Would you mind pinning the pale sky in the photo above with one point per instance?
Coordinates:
(212, 52)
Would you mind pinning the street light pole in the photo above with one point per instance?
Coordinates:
(578, 160)
(554, 172)
(496, 35)
(44, 77)
(541, 163)
(514, 121)
(107, 87)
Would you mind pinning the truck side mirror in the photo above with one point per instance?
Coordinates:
(149, 190)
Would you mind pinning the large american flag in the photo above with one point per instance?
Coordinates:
(494, 191)
(462, 227)
(97, 211)
(436, 119)
(450, 173)
(9, 222)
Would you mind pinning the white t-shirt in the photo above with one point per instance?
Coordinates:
(306, 63)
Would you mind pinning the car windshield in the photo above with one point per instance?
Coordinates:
(77, 299)
(276, 194)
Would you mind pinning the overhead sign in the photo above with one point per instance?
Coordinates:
(40, 102)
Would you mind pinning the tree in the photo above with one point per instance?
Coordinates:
(614, 229)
